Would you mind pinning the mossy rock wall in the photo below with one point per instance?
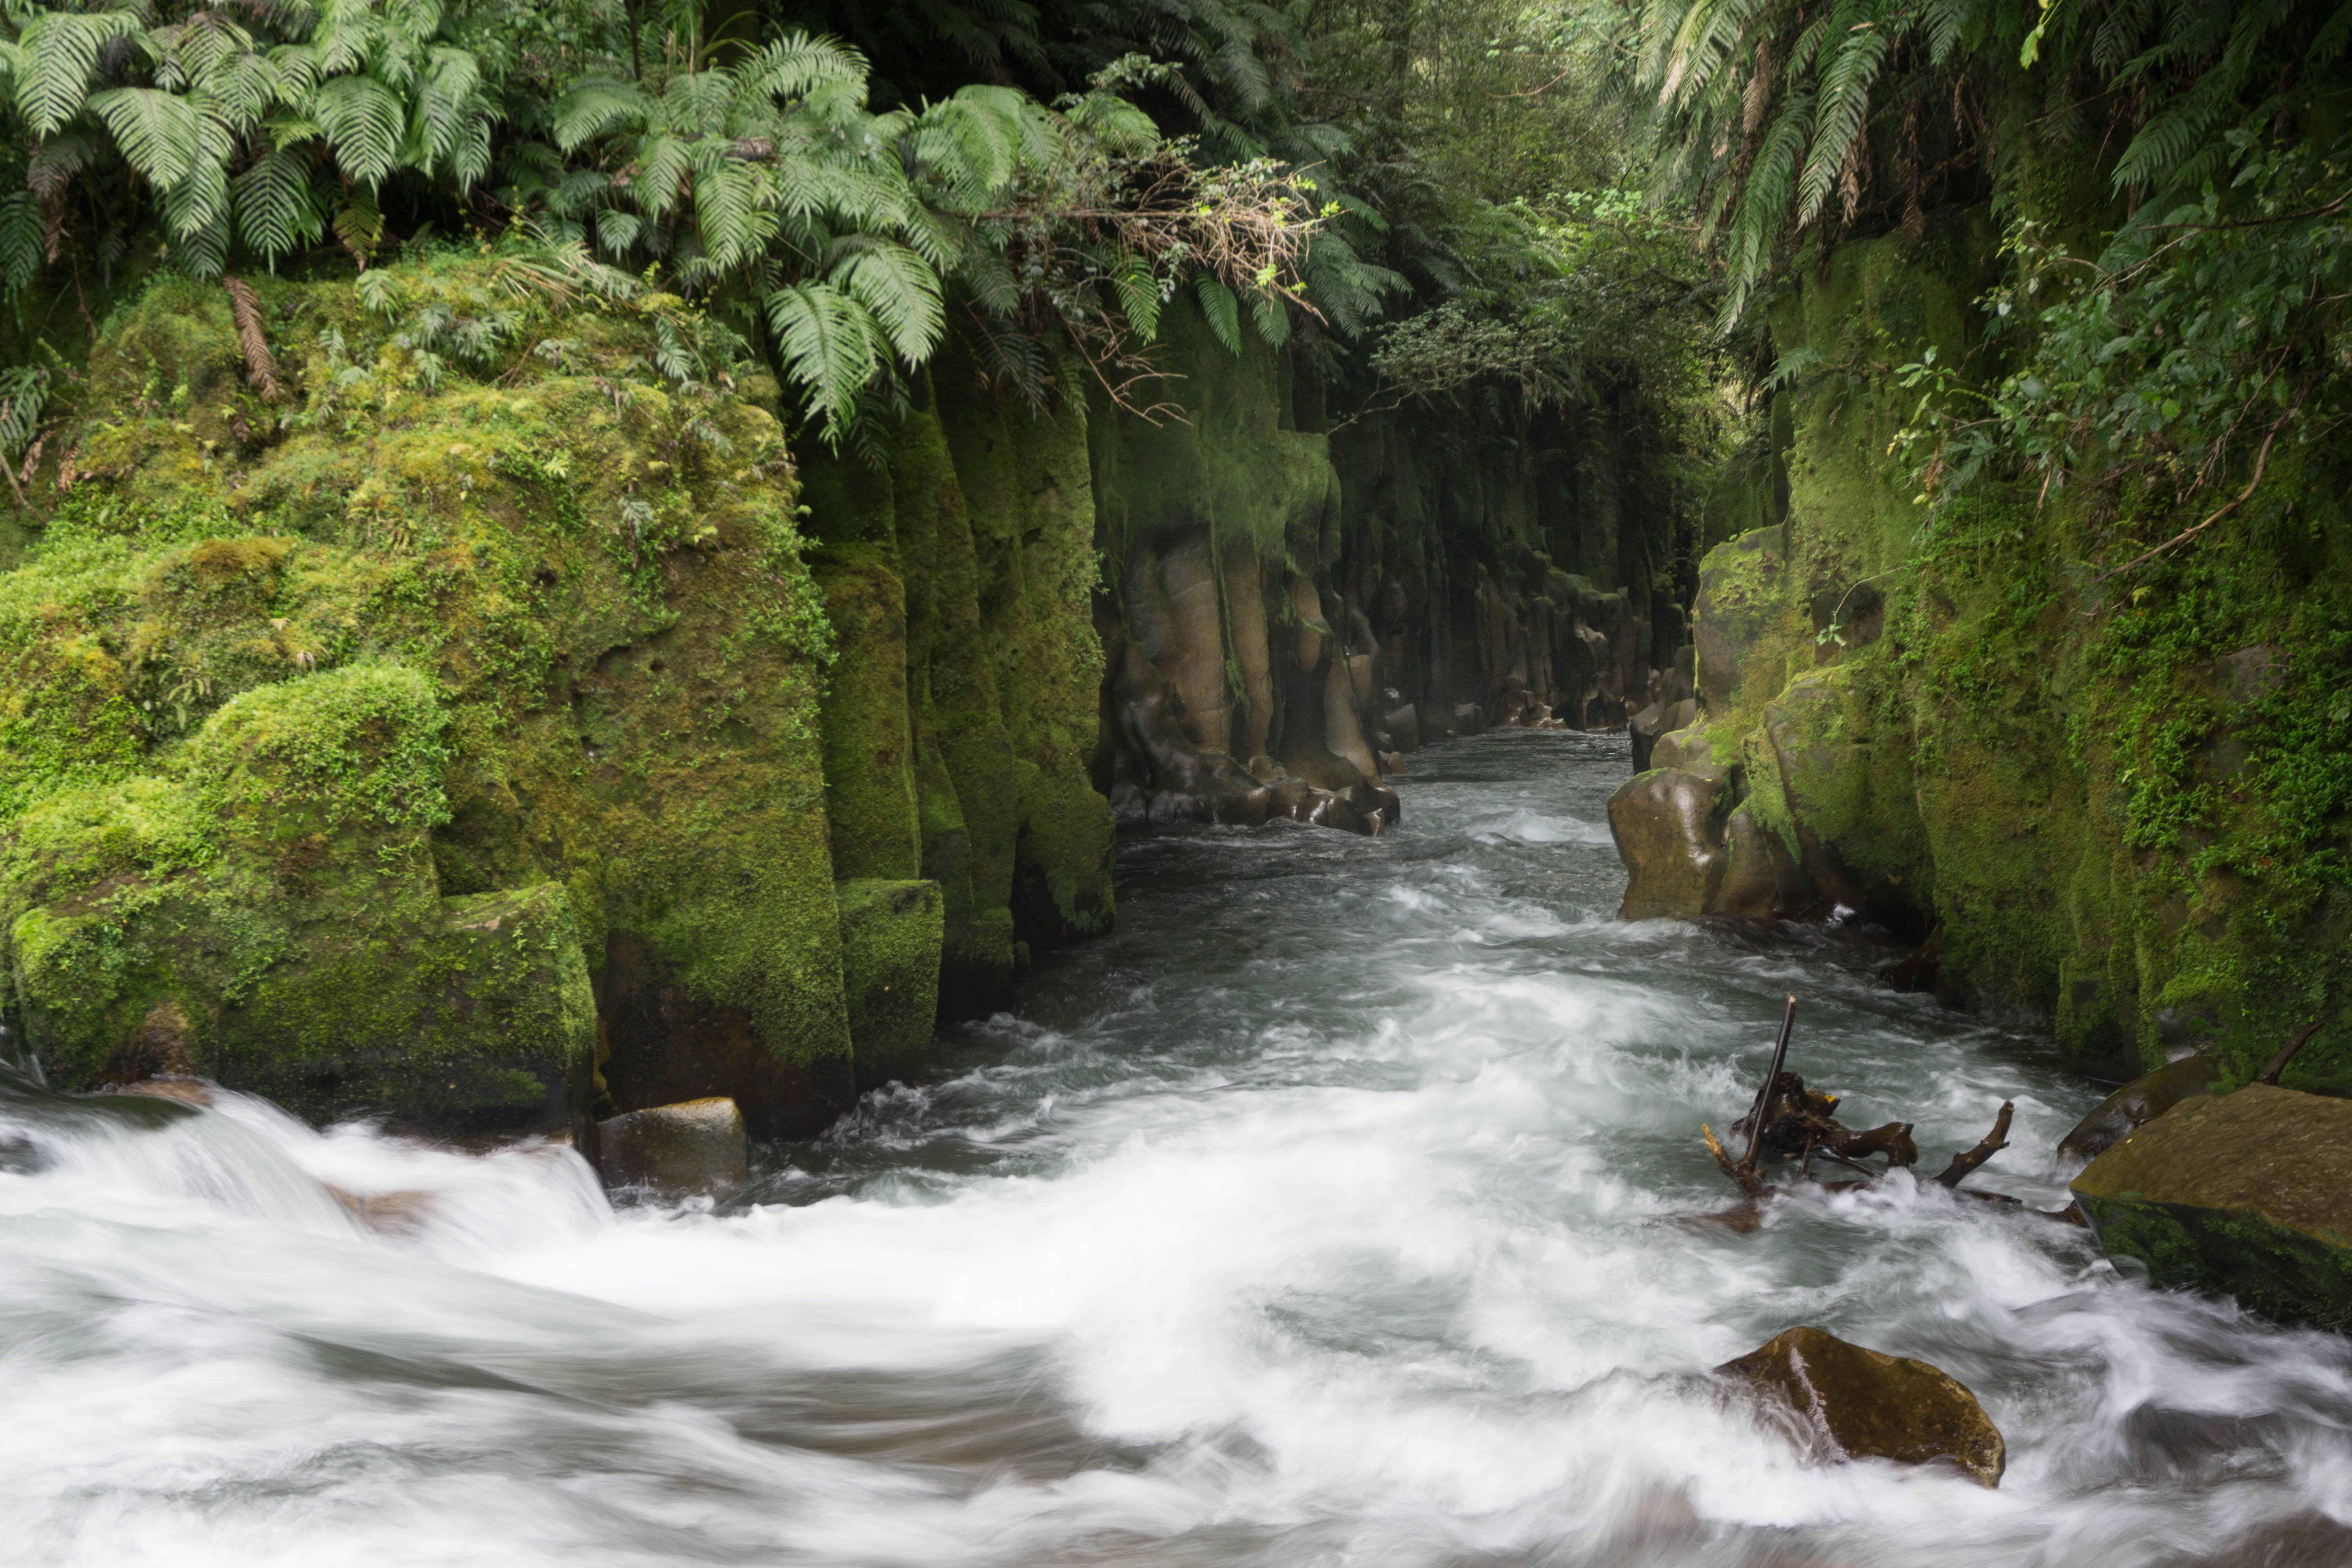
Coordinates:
(2121, 806)
(1292, 600)
(365, 728)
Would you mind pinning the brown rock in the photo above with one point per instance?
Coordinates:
(2247, 1194)
(2139, 1102)
(695, 1147)
(163, 1046)
(1664, 822)
(1689, 749)
(1858, 1404)
(389, 1214)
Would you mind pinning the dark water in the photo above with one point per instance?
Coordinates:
(1332, 1211)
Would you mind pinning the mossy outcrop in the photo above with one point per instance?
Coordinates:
(2115, 805)
(491, 733)
(2248, 1193)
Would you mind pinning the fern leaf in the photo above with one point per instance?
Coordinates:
(274, 211)
(830, 346)
(252, 338)
(359, 228)
(363, 120)
(897, 287)
(57, 52)
(1222, 310)
(20, 242)
(1837, 123)
(1138, 297)
(159, 133)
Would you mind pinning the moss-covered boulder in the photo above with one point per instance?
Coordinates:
(369, 724)
(2247, 1194)
(277, 891)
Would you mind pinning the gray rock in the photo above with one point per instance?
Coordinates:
(697, 1147)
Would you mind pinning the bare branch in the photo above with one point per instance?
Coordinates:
(1994, 1142)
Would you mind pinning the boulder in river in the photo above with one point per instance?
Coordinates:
(2139, 1102)
(697, 1147)
(2247, 1194)
(1664, 822)
(1860, 1404)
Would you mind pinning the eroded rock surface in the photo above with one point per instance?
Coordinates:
(1664, 822)
(2139, 1102)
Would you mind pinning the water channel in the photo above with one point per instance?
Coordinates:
(1335, 1210)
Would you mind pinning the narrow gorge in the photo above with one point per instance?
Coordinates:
(1036, 783)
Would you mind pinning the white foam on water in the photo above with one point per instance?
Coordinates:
(1346, 1226)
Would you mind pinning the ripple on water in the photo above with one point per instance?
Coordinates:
(1331, 1211)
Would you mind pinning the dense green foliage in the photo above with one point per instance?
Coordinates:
(2173, 181)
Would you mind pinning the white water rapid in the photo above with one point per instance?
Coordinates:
(1330, 1212)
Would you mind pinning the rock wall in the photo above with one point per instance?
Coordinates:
(2116, 805)
(1294, 601)
(489, 739)
(488, 732)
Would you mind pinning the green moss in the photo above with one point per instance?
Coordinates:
(869, 778)
(890, 936)
(526, 622)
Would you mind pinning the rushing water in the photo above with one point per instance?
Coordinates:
(1334, 1211)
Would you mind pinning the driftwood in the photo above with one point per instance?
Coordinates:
(1795, 1123)
(1992, 1144)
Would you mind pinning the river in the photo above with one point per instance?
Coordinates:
(1335, 1210)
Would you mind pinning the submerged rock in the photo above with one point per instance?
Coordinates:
(1860, 1404)
(2247, 1194)
(695, 1148)
(2139, 1102)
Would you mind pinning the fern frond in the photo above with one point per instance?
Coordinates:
(21, 248)
(252, 338)
(363, 120)
(594, 106)
(1222, 310)
(160, 134)
(830, 346)
(57, 51)
(274, 211)
(895, 285)
(1837, 123)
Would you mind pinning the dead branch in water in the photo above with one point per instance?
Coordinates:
(1994, 1142)
(1797, 1123)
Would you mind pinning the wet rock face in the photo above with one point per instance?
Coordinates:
(2137, 1103)
(694, 1149)
(1664, 822)
(1850, 1403)
(2247, 1194)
